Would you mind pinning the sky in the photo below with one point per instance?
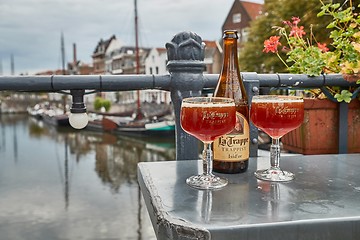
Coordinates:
(30, 30)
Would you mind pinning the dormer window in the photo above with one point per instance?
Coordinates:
(236, 17)
(102, 48)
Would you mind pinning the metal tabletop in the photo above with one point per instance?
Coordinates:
(323, 202)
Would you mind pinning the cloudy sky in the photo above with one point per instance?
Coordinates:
(30, 30)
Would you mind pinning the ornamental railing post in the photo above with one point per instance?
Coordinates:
(252, 86)
(186, 65)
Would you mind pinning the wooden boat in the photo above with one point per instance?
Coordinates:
(61, 120)
(163, 127)
(37, 111)
(55, 117)
(49, 115)
(108, 123)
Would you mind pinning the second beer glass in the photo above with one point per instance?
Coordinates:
(276, 115)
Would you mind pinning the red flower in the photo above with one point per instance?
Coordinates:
(296, 20)
(287, 23)
(297, 31)
(271, 44)
(322, 47)
(294, 23)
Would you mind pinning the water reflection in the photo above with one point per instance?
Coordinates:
(72, 184)
(116, 156)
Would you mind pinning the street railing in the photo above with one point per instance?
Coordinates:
(186, 78)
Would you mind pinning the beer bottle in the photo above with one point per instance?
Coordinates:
(231, 151)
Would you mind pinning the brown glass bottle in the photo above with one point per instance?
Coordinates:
(231, 152)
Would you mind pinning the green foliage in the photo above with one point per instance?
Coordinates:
(106, 104)
(344, 95)
(100, 103)
(97, 103)
(303, 51)
(312, 62)
(275, 11)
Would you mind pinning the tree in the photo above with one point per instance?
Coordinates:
(102, 103)
(252, 58)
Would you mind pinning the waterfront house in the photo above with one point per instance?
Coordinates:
(240, 16)
(155, 63)
(99, 55)
(123, 60)
(213, 57)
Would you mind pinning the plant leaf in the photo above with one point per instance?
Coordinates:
(331, 25)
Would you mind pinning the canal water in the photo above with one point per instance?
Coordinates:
(60, 183)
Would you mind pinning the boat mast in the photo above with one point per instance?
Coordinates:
(64, 97)
(139, 114)
(12, 64)
(63, 53)
(136, 40)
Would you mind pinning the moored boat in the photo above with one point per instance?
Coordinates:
(56, 118)
(36, 111)
(49, 114)
(161, 127)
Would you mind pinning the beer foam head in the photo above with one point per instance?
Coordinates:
(208, 102)
(276, 99)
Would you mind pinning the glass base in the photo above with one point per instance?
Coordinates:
(274, 175)
(206, 182)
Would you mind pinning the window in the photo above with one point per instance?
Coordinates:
(236, 17)
(244, 34)
(157, 70)
(151, 71)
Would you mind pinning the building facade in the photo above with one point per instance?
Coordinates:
(240, 16)
(156, 61)
(99, 55)
(213, 57)
(155, 64)
(123, 60)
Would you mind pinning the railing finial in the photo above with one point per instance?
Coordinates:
(186, 53)
(186, 46)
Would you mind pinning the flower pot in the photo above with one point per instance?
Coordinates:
(319, 133)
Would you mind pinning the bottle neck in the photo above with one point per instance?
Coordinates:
(230, 61)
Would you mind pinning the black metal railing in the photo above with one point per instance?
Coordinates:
(185, 79)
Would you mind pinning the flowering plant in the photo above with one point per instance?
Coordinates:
(306, 55)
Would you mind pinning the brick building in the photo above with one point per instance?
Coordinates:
(240, 16)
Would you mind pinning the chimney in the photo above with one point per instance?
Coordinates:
(74, 50)
(75, 67)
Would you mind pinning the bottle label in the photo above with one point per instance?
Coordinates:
(234, 147)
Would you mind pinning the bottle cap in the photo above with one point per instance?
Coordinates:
(230, 34)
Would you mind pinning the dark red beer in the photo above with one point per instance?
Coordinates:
(207, 120)
(277, 115)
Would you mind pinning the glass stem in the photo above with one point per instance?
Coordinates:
(207, 159)
(275, 153)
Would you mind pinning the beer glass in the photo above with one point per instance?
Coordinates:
(276, 115)
(207, 118)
